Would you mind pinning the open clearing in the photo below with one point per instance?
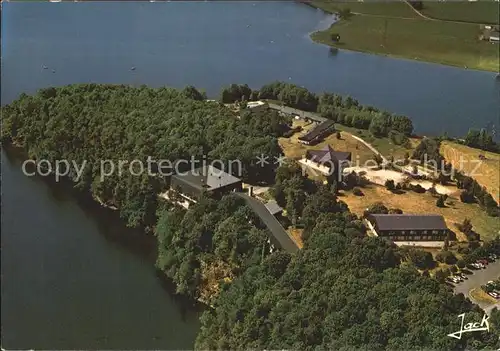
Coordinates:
(455, 44)
(411, 202)
(384, 145)
(374, 8)
(467, 11)
(293, 149)
(487, 173)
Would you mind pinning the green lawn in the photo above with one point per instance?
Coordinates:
(384, 145)
(378, 8)
(454, 44)
(479, 11)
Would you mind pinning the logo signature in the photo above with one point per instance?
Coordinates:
(471, 327)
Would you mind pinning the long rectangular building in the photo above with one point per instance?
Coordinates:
(318, 133)
(409, 227)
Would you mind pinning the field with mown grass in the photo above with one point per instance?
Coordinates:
(478, 11)
(411, 37)
(374, 8)
(486, 172)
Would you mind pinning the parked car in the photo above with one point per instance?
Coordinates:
(479, 264)
(493, 294)
(461, 275)
(484, 262)
(493, 256)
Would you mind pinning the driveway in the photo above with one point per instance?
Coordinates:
(480, 277)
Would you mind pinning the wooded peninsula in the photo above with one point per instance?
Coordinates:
(342, 290)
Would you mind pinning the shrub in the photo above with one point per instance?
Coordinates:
(466, 226)
(357, 191)
(395, 211)
(389, 184)
(421, 259)
(466, 196)
(446, 257)
(440, 201)
(417, 188)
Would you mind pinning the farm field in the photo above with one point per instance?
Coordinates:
(486, 172)
(478, 11)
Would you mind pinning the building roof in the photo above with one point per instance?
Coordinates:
(253, 104)
(207, 177)
(408, 222)
(278, 233)
(318, 130)
(327, 154)
(273, 207)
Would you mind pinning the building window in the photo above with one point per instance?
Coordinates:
(403, 232)
(413, 232)
(416, 237)
(435, 232)
(424, 232)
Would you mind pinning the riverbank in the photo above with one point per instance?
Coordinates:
(402, 35)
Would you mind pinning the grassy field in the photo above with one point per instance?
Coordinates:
(384, 145)
(411, 202)
(455, 44)
(487, 173)
(293, 149)
(479, 11)
(375, 8)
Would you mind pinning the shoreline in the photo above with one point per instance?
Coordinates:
(314, 37)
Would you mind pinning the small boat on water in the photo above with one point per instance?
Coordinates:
(133, 68)
(44, 67)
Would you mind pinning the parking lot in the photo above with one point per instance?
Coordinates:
(477, 279)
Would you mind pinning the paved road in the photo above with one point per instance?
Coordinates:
(279, 235)
(480, 277)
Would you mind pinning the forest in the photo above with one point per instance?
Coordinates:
(343, 290)
(116, 122)
(344, 110)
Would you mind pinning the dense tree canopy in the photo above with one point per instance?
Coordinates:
(115, 122)
(340, 292)
(343, 290)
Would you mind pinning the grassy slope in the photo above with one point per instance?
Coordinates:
(488, 173)
(390, 9)
(453, 44)
(411, 202)
(479, 12)
(293, 149)
(384, 145)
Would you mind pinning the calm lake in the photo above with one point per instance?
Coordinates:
(67, 281)
(73, 277)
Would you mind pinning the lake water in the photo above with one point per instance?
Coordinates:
(74, 278)
(212, 44)
(67, 282)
